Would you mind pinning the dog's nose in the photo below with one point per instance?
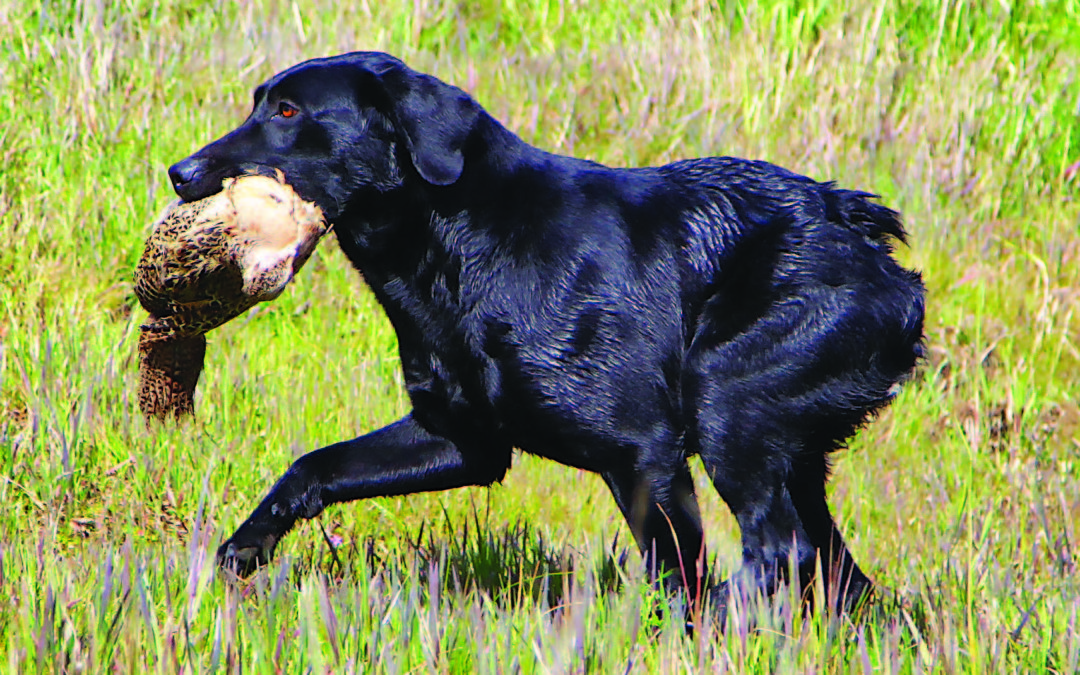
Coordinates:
(184, 171)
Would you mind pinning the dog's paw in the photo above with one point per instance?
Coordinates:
(243, 557)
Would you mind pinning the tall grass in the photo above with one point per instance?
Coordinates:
(962, 499)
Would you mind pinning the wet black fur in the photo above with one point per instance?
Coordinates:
(615, 320)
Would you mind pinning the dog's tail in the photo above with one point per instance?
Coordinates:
(856, 210)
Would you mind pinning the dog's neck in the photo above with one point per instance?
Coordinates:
(414, 228)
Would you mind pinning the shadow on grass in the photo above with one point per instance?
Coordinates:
(513, 565)
(514, 568)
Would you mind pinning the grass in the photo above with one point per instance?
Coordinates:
(963, 499)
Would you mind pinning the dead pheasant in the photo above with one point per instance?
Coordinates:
(205, 263)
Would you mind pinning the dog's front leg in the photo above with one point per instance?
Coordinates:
(399, 459)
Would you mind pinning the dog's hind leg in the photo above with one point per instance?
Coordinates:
(662, 511)
(786, 526)
(844, 583)
(770, 401)
(773, 535)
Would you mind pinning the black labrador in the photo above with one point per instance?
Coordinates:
(615, 320)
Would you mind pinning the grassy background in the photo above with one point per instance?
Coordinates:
(963, 498)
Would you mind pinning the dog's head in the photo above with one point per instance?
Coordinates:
(337, 126)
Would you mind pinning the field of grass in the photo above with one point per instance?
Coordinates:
(962, 500)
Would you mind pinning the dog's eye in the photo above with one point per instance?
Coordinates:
(287, 109)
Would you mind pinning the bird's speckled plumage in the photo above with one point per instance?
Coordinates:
(207, 262)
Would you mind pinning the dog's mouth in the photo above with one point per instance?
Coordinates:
(193, 181)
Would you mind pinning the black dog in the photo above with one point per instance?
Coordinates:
(615, 320)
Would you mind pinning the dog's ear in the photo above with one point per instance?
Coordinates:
(434, 119)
